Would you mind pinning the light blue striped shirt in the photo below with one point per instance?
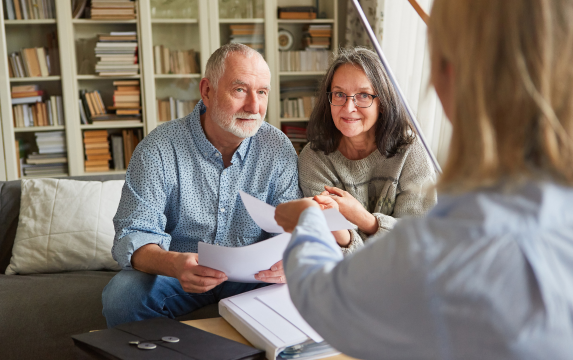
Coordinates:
(486, 275)
(177, 191)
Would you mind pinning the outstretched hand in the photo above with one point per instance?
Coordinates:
(287, 214)
(340, 200)
(275, 275)
(349, 207)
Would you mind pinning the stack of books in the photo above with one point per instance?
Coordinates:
(307, 60)
(50, 142)
(127, 100)
(251, 35)
(112, 10)
(296, 134)
(91, 106)
(117, 53)
(35, 62)
(297, 12)
(30, 10)
(131, 138)
(300, 107)
(317, 36)
(96, 146)
(51, 164)
(171, 108)
(175, 61)
(28, 109)
(126, 107)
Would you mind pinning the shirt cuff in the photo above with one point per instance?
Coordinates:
(124, 248)
(312, 227)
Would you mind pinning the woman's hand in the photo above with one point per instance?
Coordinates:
(287, 214)
(348, 206)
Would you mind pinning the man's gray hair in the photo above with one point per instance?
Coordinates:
(216, 64)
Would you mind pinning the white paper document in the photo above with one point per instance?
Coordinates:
(240, 264)
(264, 215)
(279, 300)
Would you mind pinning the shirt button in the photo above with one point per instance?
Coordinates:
(222, 209)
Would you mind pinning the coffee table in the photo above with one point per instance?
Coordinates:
(221, 327)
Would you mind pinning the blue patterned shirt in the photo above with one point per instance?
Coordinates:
(178, 192)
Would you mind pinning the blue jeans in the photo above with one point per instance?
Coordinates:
(132, 295)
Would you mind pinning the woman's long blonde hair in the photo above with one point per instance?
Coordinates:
(513, 102)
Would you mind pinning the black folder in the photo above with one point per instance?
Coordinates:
(193, 343)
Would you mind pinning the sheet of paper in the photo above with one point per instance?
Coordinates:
(264, 215)
(242, 263)
(271, 320)
(279, 300)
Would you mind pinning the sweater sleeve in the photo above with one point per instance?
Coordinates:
(314, 174)
(416, 192)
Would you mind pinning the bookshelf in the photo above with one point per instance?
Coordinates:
(180, 26)
(296, 82)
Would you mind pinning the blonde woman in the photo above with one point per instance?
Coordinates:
(488, 274)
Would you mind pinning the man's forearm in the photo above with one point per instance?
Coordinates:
(154, 260)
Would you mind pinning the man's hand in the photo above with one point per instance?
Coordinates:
(287, 214)
(275, 275)
(195, 278)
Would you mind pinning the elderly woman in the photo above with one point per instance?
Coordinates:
(363, 158)
(488, 273)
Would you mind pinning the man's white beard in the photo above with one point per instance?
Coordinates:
(229, 122)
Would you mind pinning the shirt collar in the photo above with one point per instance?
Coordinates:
(203, 144)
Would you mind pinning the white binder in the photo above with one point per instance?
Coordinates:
(261, 325)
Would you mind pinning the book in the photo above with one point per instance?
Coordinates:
(26, 100)
(117, 151)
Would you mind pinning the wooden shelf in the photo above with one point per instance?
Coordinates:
(242, 21)
(177, 76)
(313, 21)
(174, 21)
(38, 128)
(37, 78)
(110, 172)
(30, 22)
(114, 126)
(97, 77)
(111, 22)
(43, 176)
(298, 140)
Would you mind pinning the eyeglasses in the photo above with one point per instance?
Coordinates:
(361, 100)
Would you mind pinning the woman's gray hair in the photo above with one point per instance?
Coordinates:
(216, 64)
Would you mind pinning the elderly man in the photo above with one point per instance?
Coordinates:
(182, 187)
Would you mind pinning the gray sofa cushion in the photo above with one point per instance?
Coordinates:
(39, 313)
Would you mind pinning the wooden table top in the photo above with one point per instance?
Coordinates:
(221, 327)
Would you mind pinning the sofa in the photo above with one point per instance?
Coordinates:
(39, 312)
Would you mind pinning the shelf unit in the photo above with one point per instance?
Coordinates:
(203, 32)
(326, 7)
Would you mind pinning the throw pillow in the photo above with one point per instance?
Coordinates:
(65, 225)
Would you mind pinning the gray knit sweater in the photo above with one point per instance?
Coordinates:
(387, 188)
